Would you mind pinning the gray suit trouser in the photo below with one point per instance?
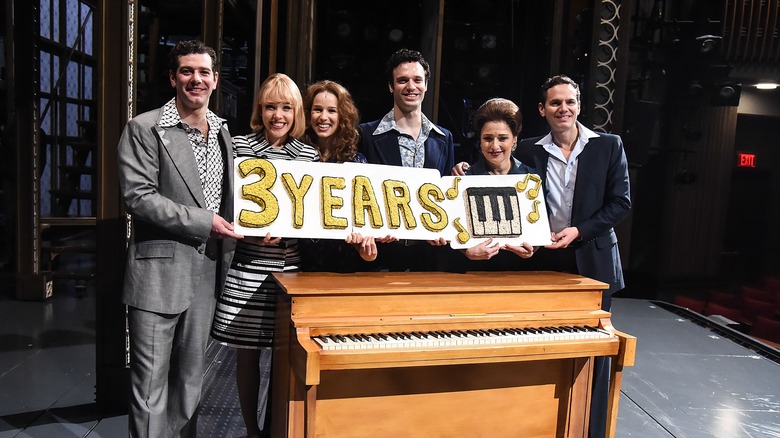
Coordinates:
(167, 362)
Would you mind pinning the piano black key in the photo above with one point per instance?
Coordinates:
(508, 213)
(496, 212)
(481, 214)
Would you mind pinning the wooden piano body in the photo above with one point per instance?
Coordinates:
(528, 389)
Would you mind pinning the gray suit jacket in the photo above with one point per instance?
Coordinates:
(170, 256)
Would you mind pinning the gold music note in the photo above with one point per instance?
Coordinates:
(452, 192)
(463, 234)
(534, 192)
(533, 216)
(521, 185)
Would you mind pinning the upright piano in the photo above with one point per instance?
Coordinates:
(430, 354)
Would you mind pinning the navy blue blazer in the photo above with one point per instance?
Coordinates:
(384, 149)
(602, 199)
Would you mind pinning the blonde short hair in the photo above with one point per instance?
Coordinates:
(279, 84)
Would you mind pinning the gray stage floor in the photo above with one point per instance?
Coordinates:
(689, 380)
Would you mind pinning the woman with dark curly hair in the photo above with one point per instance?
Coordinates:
(332, 121)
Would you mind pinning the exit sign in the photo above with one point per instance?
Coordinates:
(746, 160)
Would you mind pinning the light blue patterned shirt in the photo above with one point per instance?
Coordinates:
(412, 150)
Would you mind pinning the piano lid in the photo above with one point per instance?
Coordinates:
(307, 283)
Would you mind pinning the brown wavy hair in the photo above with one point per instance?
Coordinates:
(345, 139)
(281, 85)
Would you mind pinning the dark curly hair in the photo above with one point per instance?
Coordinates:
(346, 138)
(405, 55)
(190, 47)
(499, 110)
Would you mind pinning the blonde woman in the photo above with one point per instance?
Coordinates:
(245, 313)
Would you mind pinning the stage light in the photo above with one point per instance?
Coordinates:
(695, 89)
(343, 30)
(708, 43)
(726, 94)
(489, 41)
(395, 35)
(461, 43)
(484, 72)
(766, 86)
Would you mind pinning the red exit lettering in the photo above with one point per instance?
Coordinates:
(746, 160)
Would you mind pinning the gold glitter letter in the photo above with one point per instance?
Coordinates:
(397, 202)
(297, 194)
(330, 202)
(259, 193)
(428, 195)
(364, 201)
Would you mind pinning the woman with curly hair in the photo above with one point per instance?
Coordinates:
(332, 121)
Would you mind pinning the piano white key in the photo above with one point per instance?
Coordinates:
(502, 224)
(491, 225)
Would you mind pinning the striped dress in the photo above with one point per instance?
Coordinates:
(245, 312)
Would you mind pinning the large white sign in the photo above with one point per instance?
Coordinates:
(329, 201)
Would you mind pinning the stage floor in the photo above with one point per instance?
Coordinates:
(692, 381)
(689, 379)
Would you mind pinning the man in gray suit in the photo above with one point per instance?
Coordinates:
(175, 173)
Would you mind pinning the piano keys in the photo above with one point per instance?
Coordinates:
(438, 354)
(505, 335)
(494, 212)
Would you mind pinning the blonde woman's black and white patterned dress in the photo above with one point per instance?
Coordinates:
(246, 308)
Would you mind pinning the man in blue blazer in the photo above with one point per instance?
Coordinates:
(175, 175)
(586, 184)
(405, 137)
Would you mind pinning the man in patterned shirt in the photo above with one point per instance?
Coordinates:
(175, 174)
(405, 137)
